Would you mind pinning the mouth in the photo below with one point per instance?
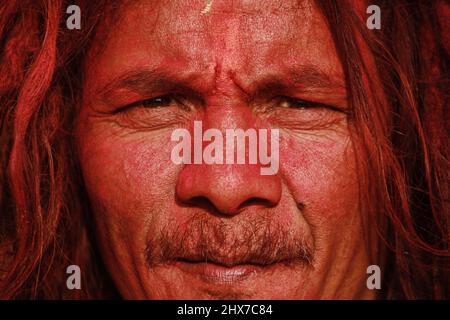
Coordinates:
(213, 254)
(218, 274)
(226, 274)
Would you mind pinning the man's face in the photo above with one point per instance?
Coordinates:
(169, 230)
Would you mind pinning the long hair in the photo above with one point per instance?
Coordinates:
(401, 136)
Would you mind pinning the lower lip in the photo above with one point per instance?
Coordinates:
(218, 274)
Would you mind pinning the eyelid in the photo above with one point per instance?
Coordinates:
(311, 104)
(142, 102)
(154, 100)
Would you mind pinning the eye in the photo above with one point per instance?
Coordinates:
(300, 114)
(162, 101)
(290, 102)
(153, 114)
(157, 102)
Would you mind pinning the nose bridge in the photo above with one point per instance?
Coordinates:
(227, 111)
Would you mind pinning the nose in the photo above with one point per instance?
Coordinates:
(229, 189)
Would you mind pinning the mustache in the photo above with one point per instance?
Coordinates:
(258, 240)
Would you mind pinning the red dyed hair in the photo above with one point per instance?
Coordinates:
(401, 136)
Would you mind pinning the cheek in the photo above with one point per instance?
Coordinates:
(127, 174)
(321, 174)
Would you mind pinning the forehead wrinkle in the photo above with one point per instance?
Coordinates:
(228, 28)
(246, 7)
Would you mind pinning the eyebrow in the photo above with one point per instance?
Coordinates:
(313, 77)
(305, 78)
(143, 81)
(147, 82)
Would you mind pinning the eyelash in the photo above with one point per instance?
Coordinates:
(304, 104)
(154, 103)
(147, 103)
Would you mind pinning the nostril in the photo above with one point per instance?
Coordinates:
(209, 206)
(214, 207)
(226, 191)
(201, 202)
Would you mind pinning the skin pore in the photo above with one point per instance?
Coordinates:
(202, 231)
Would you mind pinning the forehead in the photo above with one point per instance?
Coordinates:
(245, 37)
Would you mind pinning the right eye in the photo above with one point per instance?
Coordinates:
(155, 113)
(162, 101)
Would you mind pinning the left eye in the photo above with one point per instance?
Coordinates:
(294, 103)
(288, 102)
